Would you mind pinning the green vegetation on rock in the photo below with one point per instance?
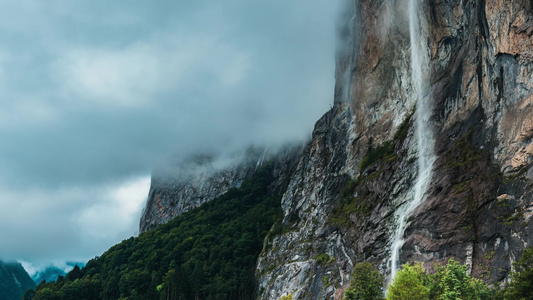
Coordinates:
(386, 150)
(288, 297)
(349, 204)
(465, 152)
(322, 258)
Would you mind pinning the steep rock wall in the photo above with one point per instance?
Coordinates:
(478, 204)
(203, 178)
(344, 189)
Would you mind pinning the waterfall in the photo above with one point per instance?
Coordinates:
(423, 134)
(261, 159)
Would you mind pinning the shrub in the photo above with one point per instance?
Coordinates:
(376, 154)
(322, 258)
(288, 297)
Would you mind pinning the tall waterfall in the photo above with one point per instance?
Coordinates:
(423, 134)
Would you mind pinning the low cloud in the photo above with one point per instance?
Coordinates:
(140, 74)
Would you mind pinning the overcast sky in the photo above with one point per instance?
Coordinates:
(93, 93)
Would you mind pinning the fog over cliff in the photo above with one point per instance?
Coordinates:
(94, 93)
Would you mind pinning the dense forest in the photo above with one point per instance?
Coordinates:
(207, 253)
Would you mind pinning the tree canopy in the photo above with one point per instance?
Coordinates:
(521, 285)
(366, 283)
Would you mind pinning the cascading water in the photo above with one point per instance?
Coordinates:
(423, 135)
(261, 158)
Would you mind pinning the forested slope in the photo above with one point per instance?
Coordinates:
(13, 281)
(208, 253)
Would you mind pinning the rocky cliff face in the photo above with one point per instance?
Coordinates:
(203, 178)
(478, 203)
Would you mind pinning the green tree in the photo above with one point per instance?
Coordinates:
(521, 285)
(74, 274)
(366, 283)
(409, 284)
(29, 295)
(46, 293)
(452, 282)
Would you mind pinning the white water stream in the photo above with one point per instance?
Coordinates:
(423, 134)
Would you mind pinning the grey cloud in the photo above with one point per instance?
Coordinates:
(93, 93)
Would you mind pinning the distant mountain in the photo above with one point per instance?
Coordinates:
(14, 281)
(52, 272)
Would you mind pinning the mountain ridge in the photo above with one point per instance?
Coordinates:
(14, 281)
